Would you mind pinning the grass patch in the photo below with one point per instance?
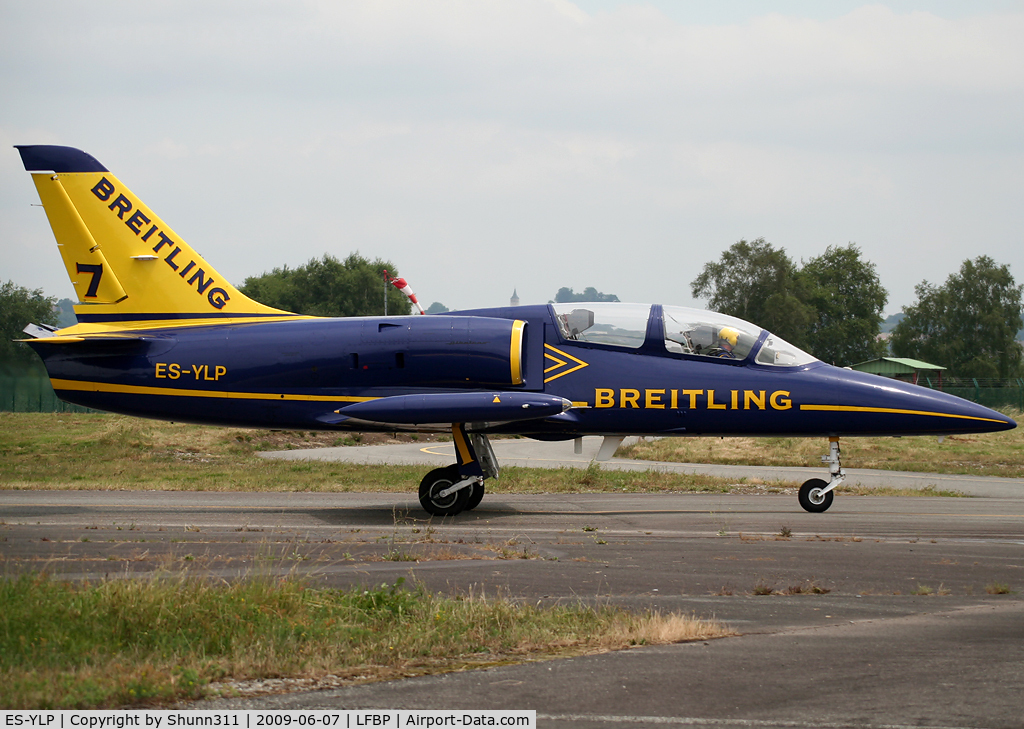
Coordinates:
(982, 454)
(132, 643)
(134, 454)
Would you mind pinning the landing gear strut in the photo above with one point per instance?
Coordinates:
(816, 495)
(460, 487)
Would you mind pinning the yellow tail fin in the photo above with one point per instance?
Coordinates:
(127, 266)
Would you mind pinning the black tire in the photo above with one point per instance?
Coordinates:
(438, 480)
(475, 495)
(811, 498)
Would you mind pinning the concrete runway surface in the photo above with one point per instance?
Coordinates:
(870, 649)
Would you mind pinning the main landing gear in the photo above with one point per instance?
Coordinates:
(816, 495)
(460, 487)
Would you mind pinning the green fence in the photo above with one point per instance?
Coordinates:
(990, 393)
(32, 394)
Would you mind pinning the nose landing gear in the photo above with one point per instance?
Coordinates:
(813, 496)
(816, 495)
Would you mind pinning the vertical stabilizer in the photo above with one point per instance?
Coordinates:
(126, 264)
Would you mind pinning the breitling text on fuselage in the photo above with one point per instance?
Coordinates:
(660, 399)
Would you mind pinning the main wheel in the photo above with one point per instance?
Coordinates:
(476, 494)
(437, 481)
(812, 498)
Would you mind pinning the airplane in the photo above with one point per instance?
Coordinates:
(161, 334)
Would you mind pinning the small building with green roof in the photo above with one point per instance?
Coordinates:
(900, 368)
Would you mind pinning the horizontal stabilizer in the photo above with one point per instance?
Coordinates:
(39, 331)
(107, 338)
(50, 340)
(457, 407)
(92, 346)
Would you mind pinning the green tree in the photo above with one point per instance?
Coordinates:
(66, 313)
(759, 283)
(968, 324)
(566, 295)
(847, 298)
(18, 307)
(437, 308)
(329, 287)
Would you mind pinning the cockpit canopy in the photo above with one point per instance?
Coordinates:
(686, 331)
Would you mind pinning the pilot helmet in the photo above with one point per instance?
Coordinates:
(730, 335)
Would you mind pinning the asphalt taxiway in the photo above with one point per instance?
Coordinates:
(878, 613)
(888, 621)
(538, 454)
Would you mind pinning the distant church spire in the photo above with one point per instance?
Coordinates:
(514, 301)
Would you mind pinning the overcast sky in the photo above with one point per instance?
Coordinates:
(487, 146)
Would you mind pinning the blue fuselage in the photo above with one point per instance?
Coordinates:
(301, 374)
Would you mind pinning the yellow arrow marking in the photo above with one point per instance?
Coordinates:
(580, 364)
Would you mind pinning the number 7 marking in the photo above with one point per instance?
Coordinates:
(96, 269)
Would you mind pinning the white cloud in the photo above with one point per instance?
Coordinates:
(545, 145)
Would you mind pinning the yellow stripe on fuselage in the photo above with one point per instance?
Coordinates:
(893, 411)
(84, 386)
(131, 326)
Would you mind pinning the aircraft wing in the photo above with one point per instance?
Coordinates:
(452, 407)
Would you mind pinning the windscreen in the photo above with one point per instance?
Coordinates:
(777, 351)
(708, 333)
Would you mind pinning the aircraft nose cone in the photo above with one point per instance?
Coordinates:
(892, 407)
(985, 419)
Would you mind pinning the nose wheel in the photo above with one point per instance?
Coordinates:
(816, 495)
(813, 496)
